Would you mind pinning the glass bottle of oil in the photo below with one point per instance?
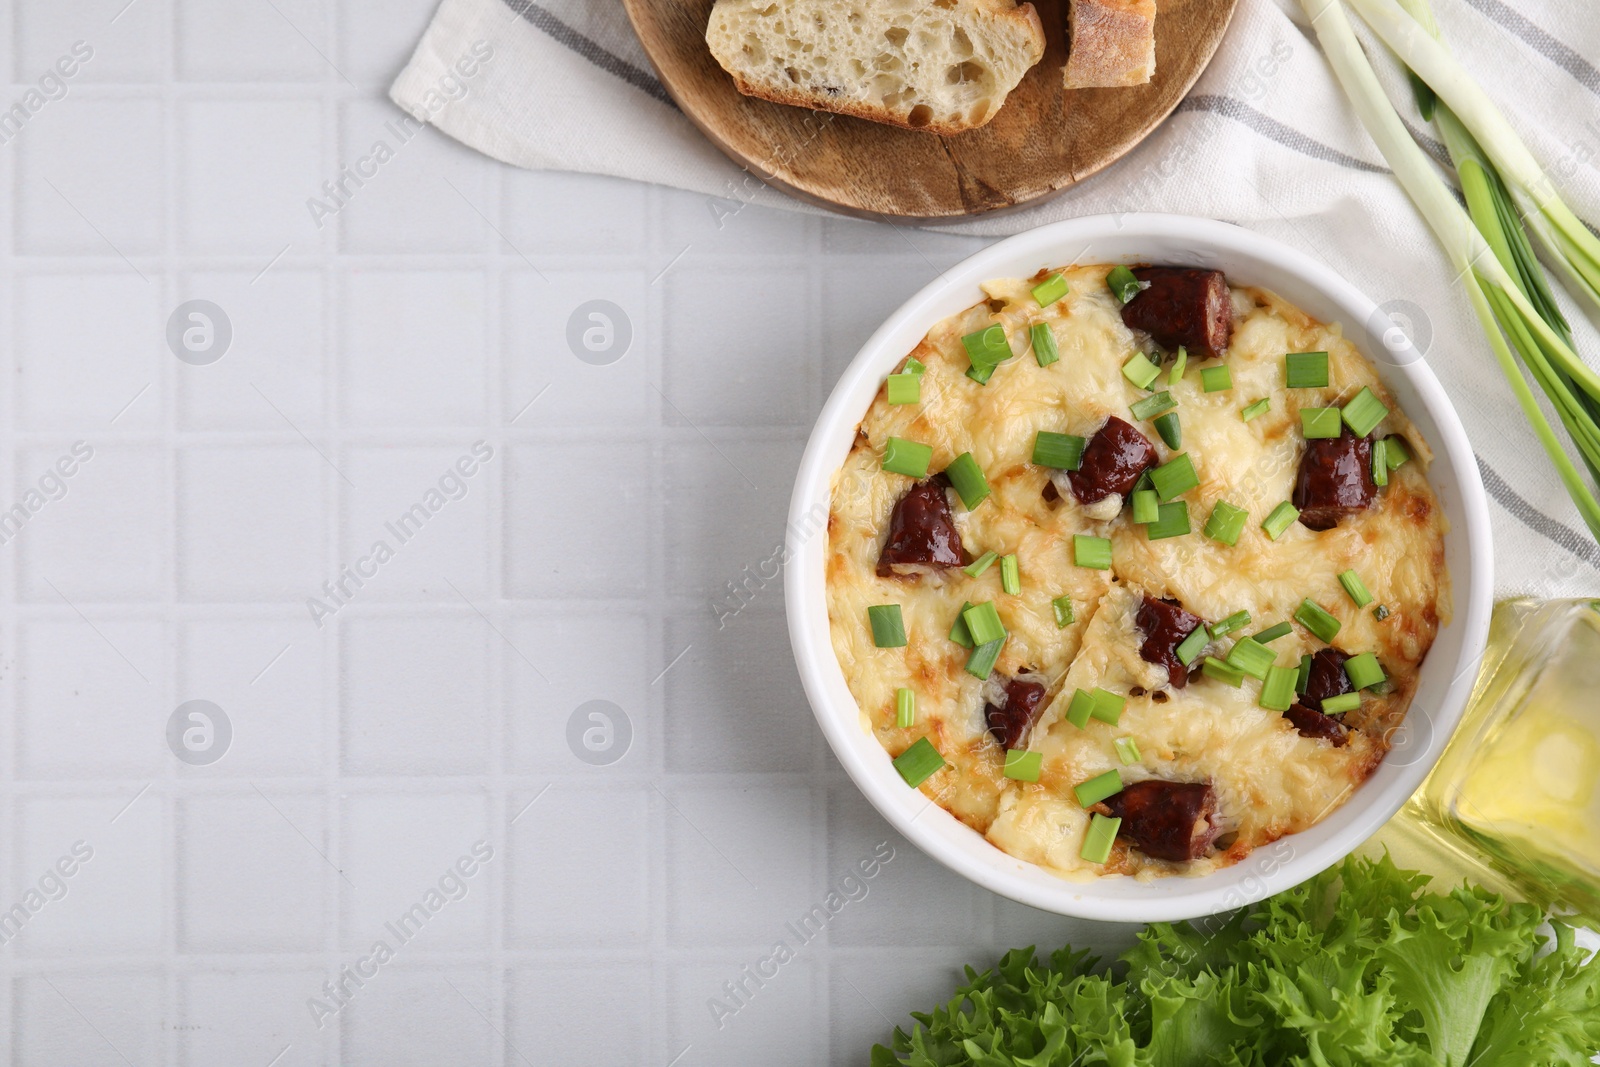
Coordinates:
(1518, 787)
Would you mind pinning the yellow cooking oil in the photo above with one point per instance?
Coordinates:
(1518, 786)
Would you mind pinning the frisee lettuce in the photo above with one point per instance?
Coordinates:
(1360, 965)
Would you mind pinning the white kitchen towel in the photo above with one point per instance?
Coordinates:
(1266, 139)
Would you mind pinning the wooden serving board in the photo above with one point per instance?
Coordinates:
(1043, 141)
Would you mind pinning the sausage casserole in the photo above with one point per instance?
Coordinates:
(1133, 571)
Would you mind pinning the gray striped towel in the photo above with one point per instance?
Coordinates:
(1266, 140)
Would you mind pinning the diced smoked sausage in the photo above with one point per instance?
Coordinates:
(1165, 624)
(1335, 480)
(922, 532)
(1316, 724)
(1167, 820)
(1326, 679)
(1112, 462)
(1010, 724)
(1185, 306)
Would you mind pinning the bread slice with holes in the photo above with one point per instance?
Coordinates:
(1110, 43)
(938, 65)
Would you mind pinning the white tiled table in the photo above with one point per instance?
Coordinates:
(585, 561)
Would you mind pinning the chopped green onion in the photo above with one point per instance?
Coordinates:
(1174, 477)
(1170, 429)
(1283, 516)
(1249, 656)
(1081, 707)
(1123, 284)
(1215, 668)
(1356, 588)
(1314, 618)
(1146, 506)
(1258, 408)
(919, 762)
(1364, 412)
(1140, 371)
(1050, 290)
(1099, 838)
(1108, 706)
(1364, 671)
(1237, 621)
(1218, 379)
(1152, 405)
(905, 708)
(1063, 451)
(967, 477)
(1272, 633)
(1302, 681)
(1317, 423)
(983, 623)
(1395, 452)
(1179, 365)
(1143, 482)
(905, 388)
(906, 457)
(959, 632)
(1023, 766)
(1190, 647)
(976, 568)
(1381, 612)
(1380, 462)
(1127, 750)
(981, 372)
(1278, 692)
(913, 366)
(1096, 789)
(888, 626)
(1010, 577)
(1306, 370)
(1172, 520)
(981, 663)
(988, 346)
(1226, 523)
(1044, 344)
(1343, 702)
(1090, 551)
(1062, 607)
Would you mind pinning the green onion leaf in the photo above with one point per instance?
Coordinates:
(1153, 405)
(1062, 607)
(1081, 707)
(981, 663)
(1179, 365)
(1283, 516)
(967, 477)
(1190, 647)
(1108, 706)
(983, 623)
(1395, 452)
(1096, 789)
(1380, 462)
(1249, 656)
(1174, 477)
(1140, 371)
(1146, 506)
(1237, 621)
(988, 346)
(1356, 588)
(1127, 750)
(905, 388)
(913, 366)
(919, 762)
(1364, 412)
(1306, 370)
(1302, 680)
(1172, 520)
(905, 708)
(1044, 344)
(1063, 451)
(1343, 702)
(1260, 407)
(981, 372)
(1314, 618)
(1272, 633)
(1215, 668)
(976, 568)
(1010, 576)
(1318, 423)
(906, 457)
(1170, 429)
(1023, 766)
(1278, 692)
(1218, 379)
(1123, 284)
(1226, 523)
(1050, 290)
(959, 632)
(1364, 671)
(1099, 838)
(888, 626)
(1090, 551)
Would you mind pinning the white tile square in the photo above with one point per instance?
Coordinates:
(109, 1019)
(272, 370)
(251, 522)
(415, 694)
(252, 873)
(115, 901)
(89, 703)
(412, 348)
(550, 212)
(375, 41)
(746, 218)
(578, 862)
(724, 512)
(68, 201)
(870, 995)
(605, 379)
(543, 1003)
(739, 347)
(777, 1026)
(599, 542)
(419, 518)
(99, 534)
(425, 193)
(418, 1015)
(237, 40)
(421, 864)
(734, 875)
(267, 676)
(558, 665)
(86, 346)
(859, 293)
(131, 48)
(228, 1017)
(248, 167)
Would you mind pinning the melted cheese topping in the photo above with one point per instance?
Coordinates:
(1270, 781)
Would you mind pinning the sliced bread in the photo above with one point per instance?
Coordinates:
(938, 65)
(1111, 43)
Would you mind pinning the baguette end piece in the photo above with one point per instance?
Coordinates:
(1112, 43)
